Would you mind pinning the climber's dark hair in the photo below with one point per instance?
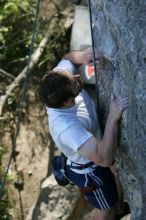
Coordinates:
(55, 89)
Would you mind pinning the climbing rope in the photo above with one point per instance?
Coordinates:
(94, 58)
(25, 87)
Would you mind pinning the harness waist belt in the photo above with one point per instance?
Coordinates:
(80, 166)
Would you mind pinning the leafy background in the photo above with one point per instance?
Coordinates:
(16, 20)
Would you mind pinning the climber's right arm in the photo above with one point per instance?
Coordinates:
(103, 152)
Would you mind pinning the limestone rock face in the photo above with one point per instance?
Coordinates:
(54, 202)
(120, 35)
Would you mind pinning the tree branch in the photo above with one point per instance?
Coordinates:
(34, 60)
(56, 6)
(6, 74)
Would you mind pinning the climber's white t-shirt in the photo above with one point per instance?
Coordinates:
(72, 127)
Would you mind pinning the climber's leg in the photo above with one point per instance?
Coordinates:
(99, 188)
(105, 214)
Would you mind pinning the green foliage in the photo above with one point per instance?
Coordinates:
(11, 103)
(3, 150)
(5, 204)
(16, 18)
(6, 211)
(58, 44)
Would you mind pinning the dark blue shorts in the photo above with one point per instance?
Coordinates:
(104, 194)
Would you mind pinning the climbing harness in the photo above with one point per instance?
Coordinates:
(94, 58)
(25, 86)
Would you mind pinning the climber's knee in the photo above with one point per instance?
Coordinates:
(105, 214)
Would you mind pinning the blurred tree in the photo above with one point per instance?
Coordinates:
(16, 18)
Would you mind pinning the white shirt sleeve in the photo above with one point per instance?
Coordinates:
(66, 65)
(74, 136)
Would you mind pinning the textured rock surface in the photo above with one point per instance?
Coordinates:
(56, 202)
(120, 34)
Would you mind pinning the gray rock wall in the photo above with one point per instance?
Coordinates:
(120, 35)
(60, 203)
